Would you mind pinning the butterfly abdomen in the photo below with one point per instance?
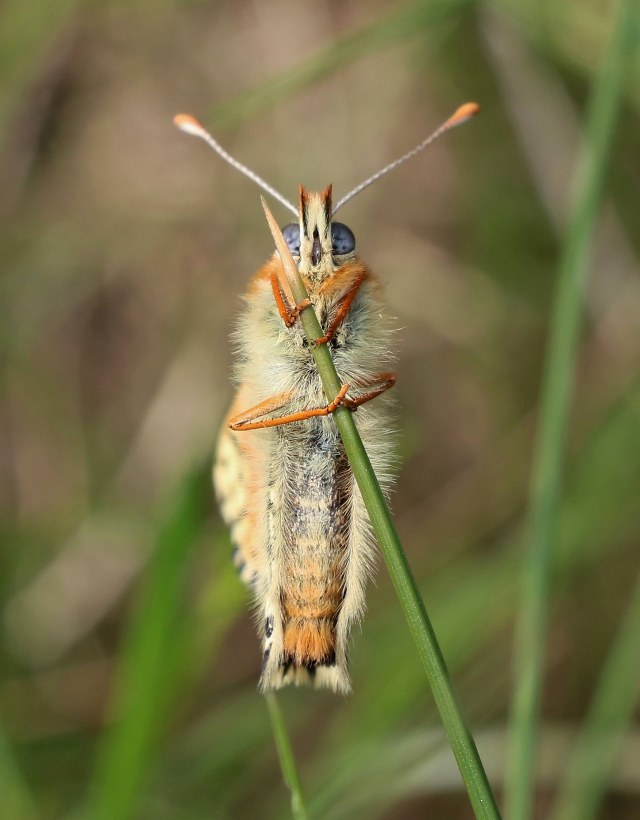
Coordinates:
(309, 528)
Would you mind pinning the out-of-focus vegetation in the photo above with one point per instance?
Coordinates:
(128, 682)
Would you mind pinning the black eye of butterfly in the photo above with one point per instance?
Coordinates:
(342, 239)
(291, 235)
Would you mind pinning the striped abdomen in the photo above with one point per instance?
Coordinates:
(314, 513)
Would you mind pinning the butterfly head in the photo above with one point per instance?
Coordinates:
(318, 245)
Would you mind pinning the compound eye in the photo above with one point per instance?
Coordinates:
(291, 235)
(342, 239)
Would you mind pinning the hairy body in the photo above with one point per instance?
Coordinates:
(302, 537)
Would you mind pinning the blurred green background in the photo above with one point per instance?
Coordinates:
(129, 659)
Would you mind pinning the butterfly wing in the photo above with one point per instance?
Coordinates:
(236, 478)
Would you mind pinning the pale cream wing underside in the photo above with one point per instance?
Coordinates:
(236, 476)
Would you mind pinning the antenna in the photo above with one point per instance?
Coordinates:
(190, 125)
(462, 114)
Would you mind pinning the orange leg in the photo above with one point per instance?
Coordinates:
(246, 420)
(379, 384)
(345, 304)
(288, 313)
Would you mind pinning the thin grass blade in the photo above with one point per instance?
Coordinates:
(286, 757)
(611, 711)
(460, 738)
(403, 22)
(15, 797)
(151, 663)
(556, 392)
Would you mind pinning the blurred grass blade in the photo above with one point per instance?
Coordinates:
(285, 755)
(151, 662)
(26, 32)
(611, 711)
(15, 797)
(556, 391)
(462, 744)
(402, 23)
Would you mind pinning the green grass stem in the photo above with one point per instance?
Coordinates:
(407, 20)
(15, 798)
(611, 710)
(152, 662)
(460, 738)
(556, 392)
(286, 757)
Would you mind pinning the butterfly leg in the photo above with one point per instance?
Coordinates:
(343, 310)
(288, 313)
(247, 420)
(378, 384)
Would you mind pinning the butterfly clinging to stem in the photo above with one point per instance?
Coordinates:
(302, 539)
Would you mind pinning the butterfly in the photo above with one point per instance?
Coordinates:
(302, 538)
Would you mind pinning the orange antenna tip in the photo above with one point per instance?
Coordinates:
(464, 113)
(188, 124)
